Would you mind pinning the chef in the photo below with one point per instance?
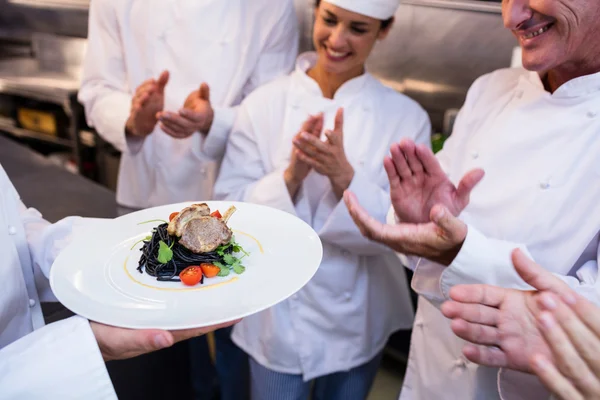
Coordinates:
(63, 360)
(161, 82)
(297, 144)
(147, 59)
(534, 132)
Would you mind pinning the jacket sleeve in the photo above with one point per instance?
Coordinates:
(373, 194)
(46, 241)
(105, 91)
(58, 361)
(276, 59)
(243, 176)
(484, 260)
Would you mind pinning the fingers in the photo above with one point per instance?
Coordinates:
(338, 126)
(140, 101)
(186, 334)
(553, 379)
(318, 126)
(162, 81)
(175, 131)
(177, 122)
(313, 125)
(204, 92)
(467, 184)
(311, 145)
(452, 228)
(311, 162)
(429, 161)
(475, 313)
(392, 174)
(409, 149)
(585, 310)
(335, 139)
(567, 358)
(489, 356)
(193, 116)
(486, 295)
(537, 276)
(400, 163)
(475, 333)
(567, 325)
(118, 343)
(309, 124)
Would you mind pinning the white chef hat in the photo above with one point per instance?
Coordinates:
(379, 9)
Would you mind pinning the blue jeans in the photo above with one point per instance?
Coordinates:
(354, 384)
(230, 375)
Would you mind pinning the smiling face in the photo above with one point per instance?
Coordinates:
(555, 34)
(344, 39)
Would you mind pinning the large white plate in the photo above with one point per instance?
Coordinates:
(96, 275)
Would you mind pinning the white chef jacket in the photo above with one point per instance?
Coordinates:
(343, 317)
(233, 45)
(60, 360)
(541, 155)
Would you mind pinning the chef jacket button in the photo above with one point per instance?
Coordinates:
(475, 155)
(348, 296)
(461, 363)
(544, 185)
(519, 94)
(592, 114)
(345, 253)
(419, 324)
(31, 302)
(12, 230)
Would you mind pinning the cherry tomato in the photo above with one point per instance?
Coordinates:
(191, 275)
(216, 214)
(210, 270)
(173, 215)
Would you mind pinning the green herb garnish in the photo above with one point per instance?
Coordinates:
(165, 254)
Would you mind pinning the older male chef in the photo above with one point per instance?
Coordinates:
(63, 360)
(536, 134)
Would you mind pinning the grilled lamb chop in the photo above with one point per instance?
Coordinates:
(177, 224)
(205, 234)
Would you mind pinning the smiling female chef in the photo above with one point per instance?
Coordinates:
(334, 329)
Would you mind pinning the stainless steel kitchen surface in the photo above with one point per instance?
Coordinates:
(434, 53)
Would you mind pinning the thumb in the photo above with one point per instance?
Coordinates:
(119, 343)
(467, 184)
(163, 79)
(537, 276)
(453, 228)
(204, 91)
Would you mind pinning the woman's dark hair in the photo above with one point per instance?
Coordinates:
(384, 24)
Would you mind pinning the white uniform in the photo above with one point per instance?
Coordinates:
(233, 45)
(343, 317)
(541, 155)
(58, 361)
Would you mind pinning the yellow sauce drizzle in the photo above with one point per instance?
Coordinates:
(251, 237)
(235, 278)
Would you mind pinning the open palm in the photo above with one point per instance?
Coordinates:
(417, 183)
